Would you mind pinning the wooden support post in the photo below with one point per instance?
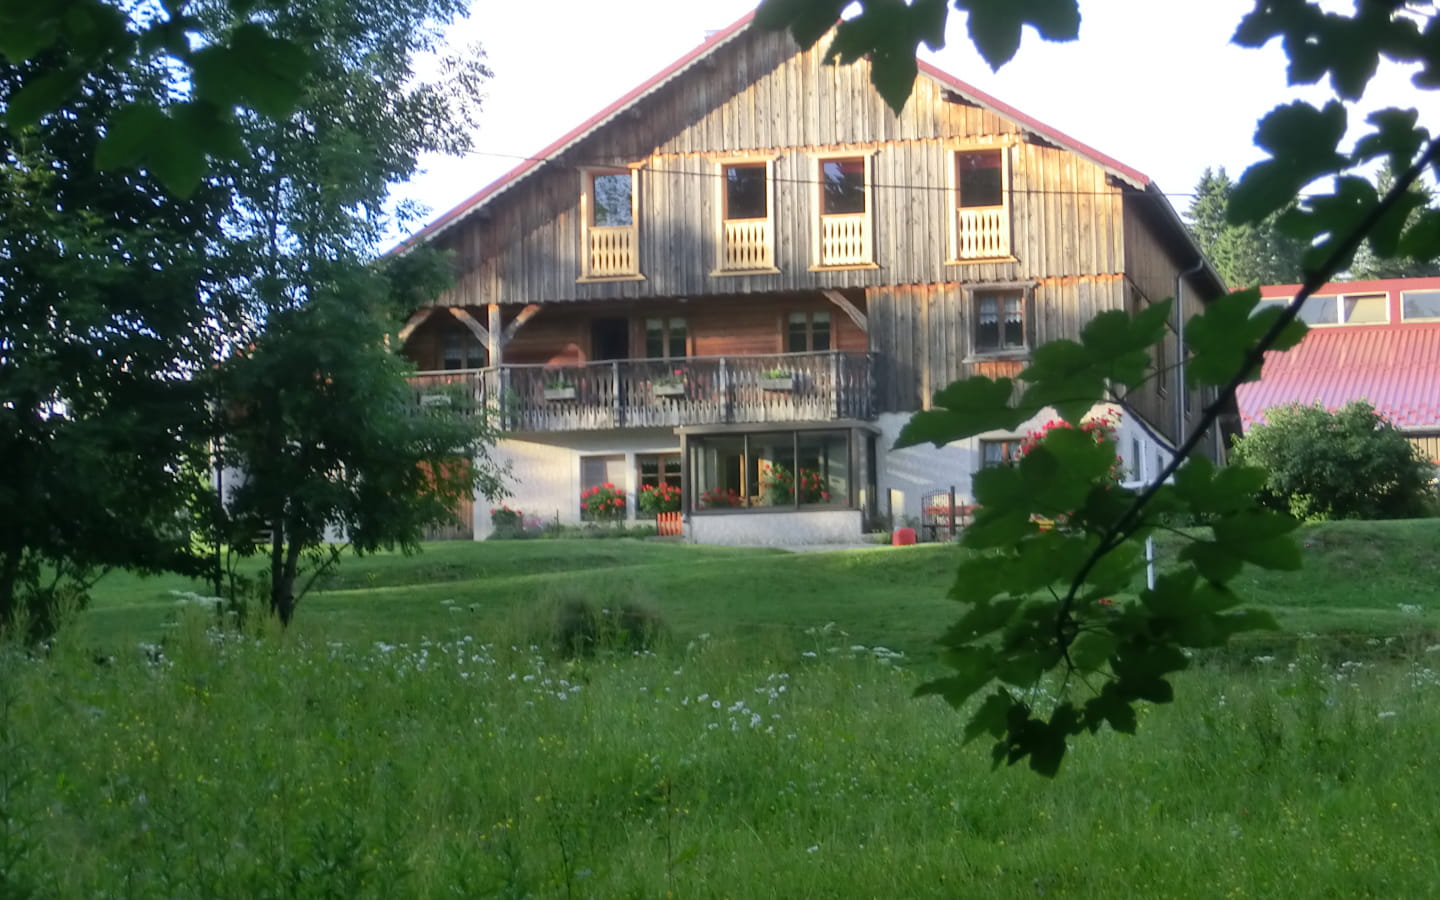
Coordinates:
(849, 309)
(417, 318)
(495, 345)
(525, 315)
(462, 315)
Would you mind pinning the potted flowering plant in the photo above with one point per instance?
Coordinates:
(655, 499)
(811, 487)
(671, 385)
(559, 387)
(603, 503)
(778, 486)
(720, 498)
(777, 380)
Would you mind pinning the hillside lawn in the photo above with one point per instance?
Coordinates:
(413, 736)
(1360, 579)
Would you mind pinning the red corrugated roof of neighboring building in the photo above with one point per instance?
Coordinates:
(1396, 367)
(584, 129)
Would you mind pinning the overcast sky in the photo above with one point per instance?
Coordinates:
(1153, 83)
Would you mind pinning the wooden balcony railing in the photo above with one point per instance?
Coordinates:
(747, 245)
(845, 240)
(982, 233)
(655, 393)
(613, 251)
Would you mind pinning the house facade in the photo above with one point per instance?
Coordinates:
(744, 276)
(1369, 340)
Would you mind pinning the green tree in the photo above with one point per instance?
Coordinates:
(322, 427)
(331, 449)
(1346, 464)
(1245, 255)
(107, 302)
(1368, 265)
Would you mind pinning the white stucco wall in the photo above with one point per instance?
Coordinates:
(903, 476)
(545, 471)
(828, 526)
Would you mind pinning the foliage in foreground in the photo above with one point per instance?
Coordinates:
(1346, 464)
(721, 768)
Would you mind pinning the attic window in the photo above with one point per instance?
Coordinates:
(610, 246)
(746, 231)
(980, 215)
(844, 234)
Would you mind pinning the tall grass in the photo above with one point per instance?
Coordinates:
(768, 765)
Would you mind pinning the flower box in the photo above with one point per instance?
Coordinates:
(560, 393)
(669, 390)
(778, 382)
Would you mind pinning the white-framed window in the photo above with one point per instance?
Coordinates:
(979, 203)
(1000, 452)
(845, 222)
(610, 236)
(1345, 309)
(745, 234)
(1420, 306)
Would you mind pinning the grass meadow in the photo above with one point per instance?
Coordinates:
(414, 737)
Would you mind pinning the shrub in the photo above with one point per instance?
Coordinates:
(603, 503)
(1347, 464)
(507, 523)
(581, 630)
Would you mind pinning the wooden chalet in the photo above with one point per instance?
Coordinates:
(749, 267)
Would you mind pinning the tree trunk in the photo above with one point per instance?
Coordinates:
(285, 587)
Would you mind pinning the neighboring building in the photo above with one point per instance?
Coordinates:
(1369, 340)
(749, 266)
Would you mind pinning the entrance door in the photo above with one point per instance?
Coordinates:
(609, 339)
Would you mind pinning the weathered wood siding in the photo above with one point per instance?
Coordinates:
(758, 96)
(1152, 268)
(723, 326)
(924, 338)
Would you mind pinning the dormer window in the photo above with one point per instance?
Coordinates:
(746, 235)
(844, 235)
(610, 245)
(980, 205)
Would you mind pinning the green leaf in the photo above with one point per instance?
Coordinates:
(964, 409)
(991, 717)
(1110, 707)
(1223, 335)
(1216, 562)
(129, 136)
(1422, 239)
(1302, 141)
(1092, 650)
(1397, 137)
(995, 25)
(277, 69)
(1067, 376)
(179, 162)
(808, 20)
(40, 95)
(974, 669)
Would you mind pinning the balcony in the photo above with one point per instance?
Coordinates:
(612, 252)
(747, 246)
(845, 240)
(656, 393)
(982, 232)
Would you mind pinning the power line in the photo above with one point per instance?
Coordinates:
(611, 164)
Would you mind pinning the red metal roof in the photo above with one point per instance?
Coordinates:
(1396, 367)
(509, 179)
